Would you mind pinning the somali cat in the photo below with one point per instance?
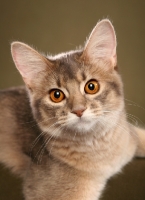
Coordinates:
(66, 133)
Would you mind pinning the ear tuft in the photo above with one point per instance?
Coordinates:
(102, 43)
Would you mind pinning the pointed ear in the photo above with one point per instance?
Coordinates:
(29, 62)
(101, 43)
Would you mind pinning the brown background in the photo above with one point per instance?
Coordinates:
(56, 26)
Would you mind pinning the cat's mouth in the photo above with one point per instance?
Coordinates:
(82, 124)
(82, 120)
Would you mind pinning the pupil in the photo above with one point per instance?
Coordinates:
(56, 94)
(91, 86)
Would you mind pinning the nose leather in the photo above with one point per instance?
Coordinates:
(79, 112)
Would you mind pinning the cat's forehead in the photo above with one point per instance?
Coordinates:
(69, 67)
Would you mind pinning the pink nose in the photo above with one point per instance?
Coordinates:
(79, 113)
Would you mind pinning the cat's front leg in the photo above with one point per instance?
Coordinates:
(58, 181)
(91, 191)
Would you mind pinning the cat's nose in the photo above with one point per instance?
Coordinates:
(79, 112)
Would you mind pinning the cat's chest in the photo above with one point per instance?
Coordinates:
(105, 157)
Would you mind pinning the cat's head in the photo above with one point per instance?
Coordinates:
(78, 92)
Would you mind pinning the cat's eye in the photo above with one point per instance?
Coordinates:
(92, 87)
(56, 95)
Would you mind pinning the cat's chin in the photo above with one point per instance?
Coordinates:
(82, 125)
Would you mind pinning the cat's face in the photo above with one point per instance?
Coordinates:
(77, 97)
(74, 93)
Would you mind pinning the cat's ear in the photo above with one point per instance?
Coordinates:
(101, 43)
(29, 62)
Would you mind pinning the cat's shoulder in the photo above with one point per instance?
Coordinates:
(14, 98)
(13, 91)
(14, 94)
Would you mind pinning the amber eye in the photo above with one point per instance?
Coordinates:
(56, 95)
(92, 87)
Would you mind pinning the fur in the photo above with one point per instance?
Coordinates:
(68, 150)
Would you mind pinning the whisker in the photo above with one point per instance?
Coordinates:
(134, 104)
(44, 141)
(134, 117)
(43, 149)
(36, 141)
(54, 142)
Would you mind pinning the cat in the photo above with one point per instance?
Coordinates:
(65, 132)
